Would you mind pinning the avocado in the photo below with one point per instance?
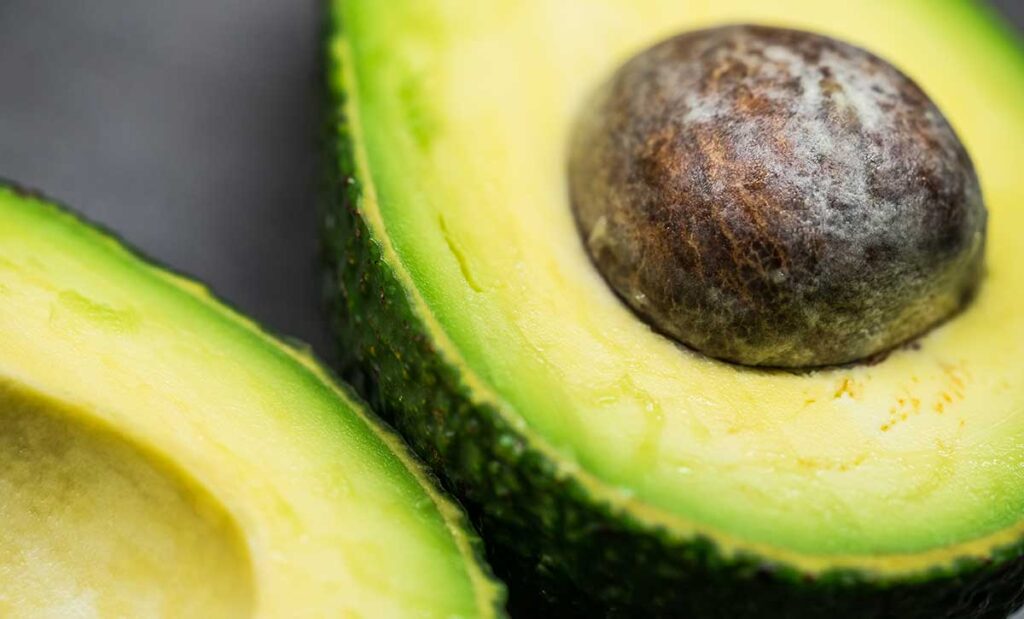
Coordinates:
(162, 456)
(612, 470)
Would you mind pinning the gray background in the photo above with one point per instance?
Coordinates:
(188, 126)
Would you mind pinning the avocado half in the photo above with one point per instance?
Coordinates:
(162, 456)
(610, 469)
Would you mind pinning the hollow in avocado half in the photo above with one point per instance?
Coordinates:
(785, 445)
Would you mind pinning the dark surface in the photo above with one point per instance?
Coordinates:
(186, 126)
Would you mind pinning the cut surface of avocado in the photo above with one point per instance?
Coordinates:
(92, 526)
(161, 456)
(457, 122)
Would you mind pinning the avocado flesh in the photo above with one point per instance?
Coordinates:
(162, 456)
(147, 532)
(460, 116)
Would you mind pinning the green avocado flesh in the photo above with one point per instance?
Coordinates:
(457, 117)
(161, 456)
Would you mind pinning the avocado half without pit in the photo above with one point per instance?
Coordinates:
(162, 456)
(775, 197)
(811, 402)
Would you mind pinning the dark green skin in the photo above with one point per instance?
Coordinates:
(562, 552)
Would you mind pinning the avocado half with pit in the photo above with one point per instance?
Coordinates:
(162, 456)
(610, 466)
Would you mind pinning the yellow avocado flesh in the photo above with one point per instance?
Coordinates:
(461, 112)
(161, 456)
(94, 528)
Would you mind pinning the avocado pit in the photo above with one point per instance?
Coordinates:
(777, 198)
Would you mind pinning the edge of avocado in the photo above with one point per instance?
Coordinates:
(545, 530)
(491, 592)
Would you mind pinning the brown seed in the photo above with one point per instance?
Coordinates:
(774, 197)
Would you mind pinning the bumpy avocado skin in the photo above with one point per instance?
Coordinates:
(562, 552)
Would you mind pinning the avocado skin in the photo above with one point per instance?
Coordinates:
(562, 552)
